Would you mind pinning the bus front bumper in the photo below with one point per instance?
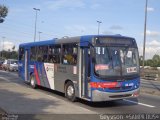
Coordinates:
(107, 96)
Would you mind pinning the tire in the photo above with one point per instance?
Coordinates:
(9, 70)
(70, 91)
(5, 69)
(33, 82)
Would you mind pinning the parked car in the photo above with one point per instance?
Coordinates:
(1, 62)
(10, 65)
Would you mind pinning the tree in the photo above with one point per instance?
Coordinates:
(3, 13)
(156, 59)
(13, 48)
(10, 54)
(154, 62)
(149, 62)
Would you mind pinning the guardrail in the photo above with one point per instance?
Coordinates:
(150, 76)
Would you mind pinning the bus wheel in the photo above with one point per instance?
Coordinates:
(70, 91)
(33, 82)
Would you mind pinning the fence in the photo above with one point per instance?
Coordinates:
(149, 74)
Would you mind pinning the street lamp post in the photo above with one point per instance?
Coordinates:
(145, 26)
(3, 45)
(39, 35)
(99, 22)
(35, 30)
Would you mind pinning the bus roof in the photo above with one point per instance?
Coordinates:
(78, 39)
(37, 43)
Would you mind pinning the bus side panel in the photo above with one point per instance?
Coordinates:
(31, 68)
(40, 68)
(44, 74)
(21, 69)
(64, 73)
(38, 73)
(48, 75)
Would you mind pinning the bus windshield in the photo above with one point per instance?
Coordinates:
(116, 61)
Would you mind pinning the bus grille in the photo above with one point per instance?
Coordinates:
(120, 96)
(121, 88)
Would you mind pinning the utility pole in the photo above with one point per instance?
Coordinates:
(145, 27)
(39, 35)
(99, 22)
(3, 46)
(35, 28)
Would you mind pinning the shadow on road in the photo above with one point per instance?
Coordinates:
(34, 108)
(107, 104)
(17, 103)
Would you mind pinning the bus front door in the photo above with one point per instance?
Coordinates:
(85, 70)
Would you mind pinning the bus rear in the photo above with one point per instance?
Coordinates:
(114, 69)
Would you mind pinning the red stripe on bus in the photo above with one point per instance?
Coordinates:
(36, 75)
(103, 84)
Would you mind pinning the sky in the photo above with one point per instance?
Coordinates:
(59, 18)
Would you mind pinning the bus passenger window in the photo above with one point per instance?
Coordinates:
(54, 54)
(70, 54)
(21, 53)
(45, 53)
(65, 61)
(40, 54)
(33, 54)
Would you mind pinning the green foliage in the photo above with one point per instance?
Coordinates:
(9, 54)
(154, 62)
(3, 12)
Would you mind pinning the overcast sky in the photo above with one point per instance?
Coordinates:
(58, 18)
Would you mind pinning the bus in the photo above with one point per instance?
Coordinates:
(90, 67)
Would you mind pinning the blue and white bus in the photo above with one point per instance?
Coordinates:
(91, 67)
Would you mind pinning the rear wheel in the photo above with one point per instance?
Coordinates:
(33, 82)
(70, 91)
(9, 69)
(4, 69)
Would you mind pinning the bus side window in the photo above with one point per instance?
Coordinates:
(70, 54)
(39, 55)
(33, 54)
(54, 54)
(45, 53)
(21, 53)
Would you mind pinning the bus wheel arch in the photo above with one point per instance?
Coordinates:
(69, 90)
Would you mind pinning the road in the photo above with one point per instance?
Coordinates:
(17, 97)
(150, 84)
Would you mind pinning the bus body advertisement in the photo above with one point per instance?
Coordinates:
(94, 68)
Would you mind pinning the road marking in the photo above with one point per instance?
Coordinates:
(139, 103)
(4, 79)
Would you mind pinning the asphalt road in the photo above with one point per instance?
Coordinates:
(17, 97)
(150, 84)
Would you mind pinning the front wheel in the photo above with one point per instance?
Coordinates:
(70, 91)
(33, 82)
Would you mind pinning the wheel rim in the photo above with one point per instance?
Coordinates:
(32, 81)
(70, 90)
